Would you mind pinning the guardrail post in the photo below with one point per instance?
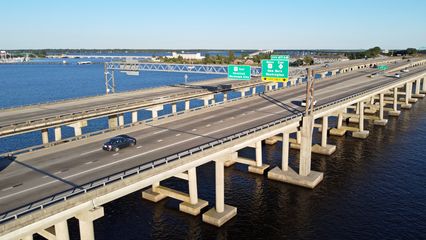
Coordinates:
(174, 108)
(112, 122)
(187, 105)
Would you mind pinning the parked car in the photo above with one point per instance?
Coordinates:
(118, 142)
(397, 75)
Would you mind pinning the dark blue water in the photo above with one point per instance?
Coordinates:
(372, 189)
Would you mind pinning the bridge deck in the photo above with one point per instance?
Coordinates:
(33, 176)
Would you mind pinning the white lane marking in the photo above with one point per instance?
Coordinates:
(138, 147)
(159, 140)
(88, 162)
(89, 152)
(5, 189)
(57, 172)
(208, 117)
(131, 157)
(115, 154)
(165, 130)
(177, 135)
(208, 125)
(221, 121)
(194, 129)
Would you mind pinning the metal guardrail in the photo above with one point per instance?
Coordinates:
(67, 194)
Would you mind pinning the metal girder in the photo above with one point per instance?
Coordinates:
(129, 67)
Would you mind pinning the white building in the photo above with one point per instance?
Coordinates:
(194, 56)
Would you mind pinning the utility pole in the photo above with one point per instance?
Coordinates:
(310, 87)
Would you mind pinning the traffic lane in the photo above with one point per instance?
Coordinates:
(50, 110)
(376, 81)
(201, 139)
(93, 148)
(40, 112)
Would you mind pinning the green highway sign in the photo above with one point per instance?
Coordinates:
(239, 72)
(382, 67)
(275, 70)
(280, 57)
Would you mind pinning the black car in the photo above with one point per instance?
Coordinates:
(118, 142)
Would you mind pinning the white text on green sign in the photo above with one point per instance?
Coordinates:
(280, 57)
(275, 70)
(239, 72)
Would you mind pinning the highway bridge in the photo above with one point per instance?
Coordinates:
(42, 189)
(76, 112)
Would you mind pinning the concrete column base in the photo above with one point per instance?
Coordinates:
(406, 106)
(328, 150)
(229, 163)
(295, 146)
(218, 219)
(381, 122)
(271, 141)
(193, 209)
(370, 111)
(338, 132)
(422, 92)
(353, 120)
(152, 196)
(418, 95)
(290, 176)
(394, 113)
(361, 134)
(258, 170)
(413, 100)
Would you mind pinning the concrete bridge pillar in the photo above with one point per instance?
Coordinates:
(85, 221)
(324, 148)
(259, 168)
(417, 93)
(187, 105)
(407, 104)
(395, 111)
(381, 121)
(174, 108)
(305, 177)
(121, 119)
(423, 87)
(58, 133)
(361, 133)
(134, 116)
(285, 151)
(338, 131)
(154, 111)
(112, 121)
(61, 231)
(410, 97)
(77, 127)
(221, 213)
(45, 136)
(195, 204)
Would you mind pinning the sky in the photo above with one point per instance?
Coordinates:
(213, 24)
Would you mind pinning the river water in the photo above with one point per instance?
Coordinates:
(372, 189)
